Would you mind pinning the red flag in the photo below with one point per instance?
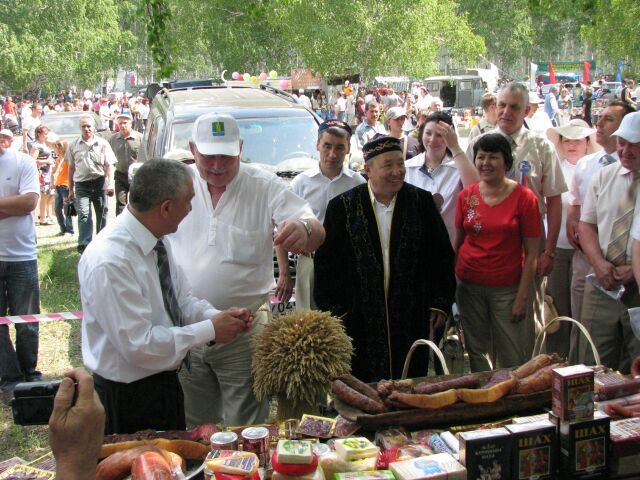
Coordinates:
(586, 71)
(552, 74)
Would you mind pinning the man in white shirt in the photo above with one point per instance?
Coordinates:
(29, 125)
(317, 186)
(90, 158)
(537, 120)
(19, 291)
(586, 168)
(140, 318)
(225, 245)
(370, 125)
(604, 230)
(303, 99)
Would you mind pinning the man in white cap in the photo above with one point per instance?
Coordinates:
(604, 230)
(586, 168)
(537, 120)
(226, 247)
(303, 99)
(19, 291)
(125, 145)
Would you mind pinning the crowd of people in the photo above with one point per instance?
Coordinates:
(175, 289)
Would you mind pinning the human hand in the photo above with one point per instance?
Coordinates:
(623, 274)
(448, 132)
(437, 319)
(572, 234)
(76, 429)
(230, 323)
(110, 192)
(518, 310)
(292, 236)
(544, 265)
(605, 273)
(72, 195)
(284, 287)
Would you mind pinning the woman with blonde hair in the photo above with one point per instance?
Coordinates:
(60, 180)
(565, 104)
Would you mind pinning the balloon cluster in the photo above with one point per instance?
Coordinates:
(247, 77)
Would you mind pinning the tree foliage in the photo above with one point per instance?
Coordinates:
(55, 44)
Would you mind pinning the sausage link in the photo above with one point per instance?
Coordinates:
(360, 387)
(467, 381)
(351, 396)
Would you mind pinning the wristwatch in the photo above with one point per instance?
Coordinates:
(307, 226)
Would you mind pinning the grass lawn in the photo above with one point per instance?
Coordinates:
(59, 340)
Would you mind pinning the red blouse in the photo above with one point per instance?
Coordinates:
(492, 253)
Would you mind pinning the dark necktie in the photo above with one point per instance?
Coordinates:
(606, 160)
(168, 293)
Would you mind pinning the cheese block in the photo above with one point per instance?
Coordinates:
(316, 475)
(355, 448)
(294, 451)
(232, 462)
(440, 465)
(366, 475)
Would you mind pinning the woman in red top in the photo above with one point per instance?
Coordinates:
(497, 236)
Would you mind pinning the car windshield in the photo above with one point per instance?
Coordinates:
(64, 124)
(267, 141)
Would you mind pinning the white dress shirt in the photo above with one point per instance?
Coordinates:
(444, 180)
(227, 251)
(317, 189)
(567, 170)
(604, 196)
(384, 217)
(587, 167)
(127, 333)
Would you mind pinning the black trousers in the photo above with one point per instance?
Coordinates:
(154, 402)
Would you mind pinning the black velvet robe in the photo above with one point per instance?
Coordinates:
(349, 278)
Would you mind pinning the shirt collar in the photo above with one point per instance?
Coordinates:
(91, 141)
(375, 201)
(516, 136)
(140, 234)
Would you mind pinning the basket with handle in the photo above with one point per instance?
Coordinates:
(543, 335)
(433, 347)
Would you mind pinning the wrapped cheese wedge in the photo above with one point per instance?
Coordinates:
(232, 462)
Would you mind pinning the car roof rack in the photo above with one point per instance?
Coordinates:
(279, 92)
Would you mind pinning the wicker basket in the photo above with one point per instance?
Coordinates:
(537, 347)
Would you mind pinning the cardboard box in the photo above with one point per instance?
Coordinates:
(438, 466)
(572, 396)
(625, 446)
(486, 453)
(534, 451)
(584, 448)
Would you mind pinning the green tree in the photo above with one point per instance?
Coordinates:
(55, 44)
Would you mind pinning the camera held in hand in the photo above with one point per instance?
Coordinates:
(32, 402)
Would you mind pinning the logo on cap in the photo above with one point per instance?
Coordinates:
(217, 129)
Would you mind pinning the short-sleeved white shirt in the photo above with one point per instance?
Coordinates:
(227, 251)
(587, 167)
(604, 195)
(317, 189)
(90, 158)
(444, 180)
(18, 233)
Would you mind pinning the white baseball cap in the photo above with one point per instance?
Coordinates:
(534, 98)
(6, 132)
(216, 134)
(629, 128)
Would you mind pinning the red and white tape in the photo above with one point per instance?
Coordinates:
(42, 317)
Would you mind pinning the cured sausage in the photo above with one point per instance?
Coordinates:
(614, 410)
(535, 364)
(118, 465)
(349, 395)
(467, 381)
(151, 466)
(359, 386)
(430, 402)
(386, 387)
(487, 395)
(539, 381)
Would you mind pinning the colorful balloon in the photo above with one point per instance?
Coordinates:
(254, 79)
(235, 75)
(346, 83)
(263, 76)
(247, 77)
(273, 74)
(284, 84)
(240, 77)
